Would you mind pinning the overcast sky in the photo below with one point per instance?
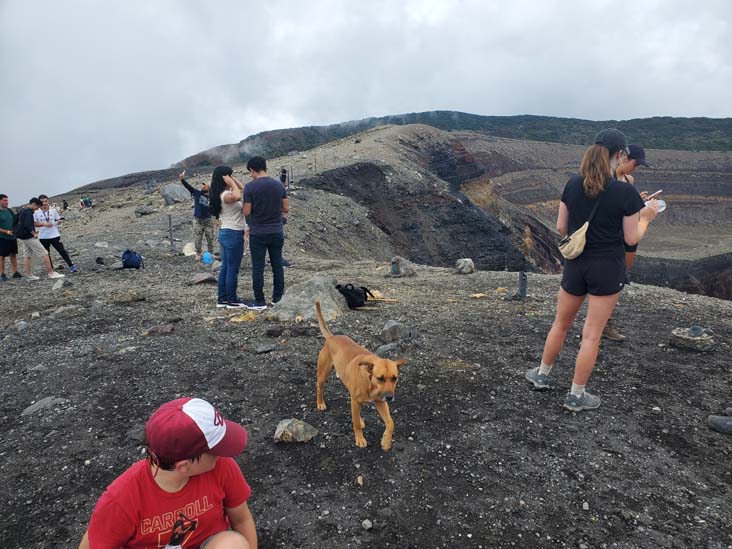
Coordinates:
(90, 90)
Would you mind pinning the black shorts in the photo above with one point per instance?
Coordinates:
(8, 247)
(594, 275)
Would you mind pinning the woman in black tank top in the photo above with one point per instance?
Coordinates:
(600, 270)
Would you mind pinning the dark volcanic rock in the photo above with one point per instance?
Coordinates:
(424, 223)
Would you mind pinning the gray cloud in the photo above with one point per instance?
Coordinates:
(98, 89)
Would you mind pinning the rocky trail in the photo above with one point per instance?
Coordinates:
(479, 459)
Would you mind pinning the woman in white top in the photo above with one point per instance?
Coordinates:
(47, 220)
(225, 204)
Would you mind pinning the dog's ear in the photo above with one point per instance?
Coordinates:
(400, 362)
(368, 365)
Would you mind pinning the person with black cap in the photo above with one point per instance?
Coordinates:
(189, 492)
(636, 157)
(615, 213)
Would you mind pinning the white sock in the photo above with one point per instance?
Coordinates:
(544, 369)
(577, 390)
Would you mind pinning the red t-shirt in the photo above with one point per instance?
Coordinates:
(135, 513)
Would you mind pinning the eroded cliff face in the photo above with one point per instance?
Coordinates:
(421, 218)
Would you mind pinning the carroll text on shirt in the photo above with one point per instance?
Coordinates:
(167, 520)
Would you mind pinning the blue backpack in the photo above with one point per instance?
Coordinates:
(132, 260)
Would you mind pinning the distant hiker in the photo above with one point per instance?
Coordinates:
(27, 235)
(283, 177)
(65, 205)
(636, 157)
(188, 492)
(8, 243)
(265, 202)
(619, 214)
(202, 222)
(225, 203)
(47, 220)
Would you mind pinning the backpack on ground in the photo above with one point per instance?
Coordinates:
(355, 297)
(132, 260)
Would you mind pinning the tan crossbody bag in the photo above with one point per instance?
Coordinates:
(573, 244)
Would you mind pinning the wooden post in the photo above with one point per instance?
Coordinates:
(170, 231)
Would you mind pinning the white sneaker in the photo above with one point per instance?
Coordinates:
(32, 277)
(54, 274)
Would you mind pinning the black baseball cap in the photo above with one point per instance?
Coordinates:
(612, 139)
(638, 153)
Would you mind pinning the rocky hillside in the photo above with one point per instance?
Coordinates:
(435, 196)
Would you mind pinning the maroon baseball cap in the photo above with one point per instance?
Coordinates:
(187, 427)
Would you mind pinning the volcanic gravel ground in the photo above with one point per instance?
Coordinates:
(479, 459)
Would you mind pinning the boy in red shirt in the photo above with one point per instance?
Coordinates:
(188, 494)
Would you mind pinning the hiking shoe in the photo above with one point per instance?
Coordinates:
(255, 306)
(54, 275)
(3, 277)
(612, 332)
(73, 269)
(721, 424)
(32, 277)
(16, 274)
(540, 381)
(584, 402)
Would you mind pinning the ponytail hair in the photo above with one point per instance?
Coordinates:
(596, 170)
(217, 187)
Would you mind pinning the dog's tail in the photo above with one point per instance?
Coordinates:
(321, 321)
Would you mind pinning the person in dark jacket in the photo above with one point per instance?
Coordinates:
(202, 222)
(27, 236)
(620, 216)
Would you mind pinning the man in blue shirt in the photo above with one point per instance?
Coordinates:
(202, 223)
(265, 202)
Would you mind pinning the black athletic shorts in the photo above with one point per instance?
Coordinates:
(8, 247)
(594, 275)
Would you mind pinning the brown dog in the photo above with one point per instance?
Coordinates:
(366, 376)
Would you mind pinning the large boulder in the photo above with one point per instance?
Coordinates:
(299, 301)
(175, 192)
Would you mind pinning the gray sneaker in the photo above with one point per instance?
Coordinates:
(584, 402)
(721, 424)
(540, 381)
